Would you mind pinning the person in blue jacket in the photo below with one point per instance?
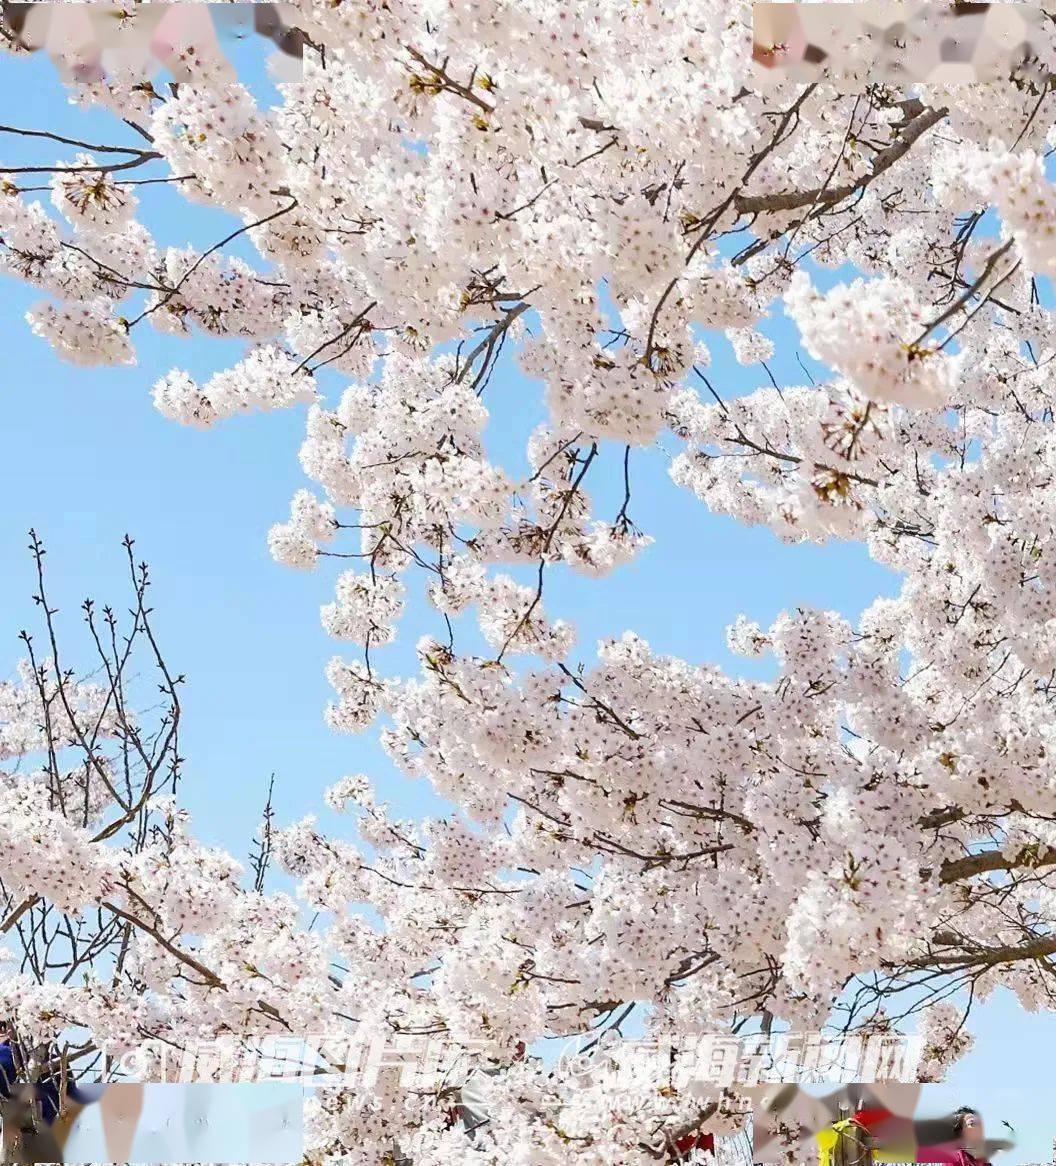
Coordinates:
(46, 1089)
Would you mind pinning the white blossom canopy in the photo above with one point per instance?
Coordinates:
(602, 190)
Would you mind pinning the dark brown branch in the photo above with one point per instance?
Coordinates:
(819, 196)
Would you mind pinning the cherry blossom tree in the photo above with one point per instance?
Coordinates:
(607, 192)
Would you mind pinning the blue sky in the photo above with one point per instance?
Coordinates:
(90, 459)
(87, 459)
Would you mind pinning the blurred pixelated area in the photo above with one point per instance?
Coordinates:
(220, 1123)
(94, 40)
(899, 43)
(871, 1123)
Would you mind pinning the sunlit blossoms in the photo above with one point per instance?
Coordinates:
(268, 378)
(600, 201)
(90, 199)
(864, 331)
(84, 333)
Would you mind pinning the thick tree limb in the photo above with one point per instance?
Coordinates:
(1029, 858)
(820, 196)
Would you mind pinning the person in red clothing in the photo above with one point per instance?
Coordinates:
(967, 1145)
(956, 1140)
(686, 1144)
